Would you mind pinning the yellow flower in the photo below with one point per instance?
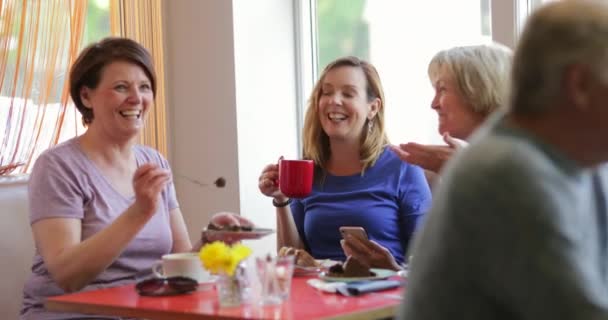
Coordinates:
(240, 251)
(218, 257)
(215, 256)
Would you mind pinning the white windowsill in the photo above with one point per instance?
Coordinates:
(14, 179)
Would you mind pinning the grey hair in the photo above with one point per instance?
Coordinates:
(557, 36)
(481, 73)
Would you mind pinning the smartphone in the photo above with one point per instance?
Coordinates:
(357, 232)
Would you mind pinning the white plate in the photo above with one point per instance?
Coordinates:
(231, 236)
(380, 274)
(324, 264)
(306, 271)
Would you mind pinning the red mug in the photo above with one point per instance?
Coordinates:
(295, 177)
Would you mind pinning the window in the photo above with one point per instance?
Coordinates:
(400, 38)
(35, 73)
(533, 4)
(96, 27)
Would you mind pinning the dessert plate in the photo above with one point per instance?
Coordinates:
(232, 235)
(302, 271)
(299, 271)
(380, 274)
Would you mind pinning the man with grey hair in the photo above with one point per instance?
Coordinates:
(518, 229)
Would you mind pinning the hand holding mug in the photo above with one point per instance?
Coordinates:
(267, 181)
(288, 178)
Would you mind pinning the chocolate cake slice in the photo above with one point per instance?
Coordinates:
(351, 268)
(355, 268)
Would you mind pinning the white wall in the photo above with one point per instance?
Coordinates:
(222, 124)
(202, 106)
(266, 101)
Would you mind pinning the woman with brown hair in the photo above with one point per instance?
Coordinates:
(103, 209)
(358, 180)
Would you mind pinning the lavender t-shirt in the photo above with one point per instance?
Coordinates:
(65, 183)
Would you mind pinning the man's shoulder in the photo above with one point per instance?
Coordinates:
(501, 172)
(496, 154)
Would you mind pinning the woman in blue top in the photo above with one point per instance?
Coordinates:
(358, 180)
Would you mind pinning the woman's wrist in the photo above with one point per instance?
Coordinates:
(280, 198)
(135, 214)
(280, 202)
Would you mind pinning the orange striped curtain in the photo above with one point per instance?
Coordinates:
(39, 39)
(141, 21)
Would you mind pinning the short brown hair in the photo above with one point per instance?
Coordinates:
(316, 141)
(86, 70)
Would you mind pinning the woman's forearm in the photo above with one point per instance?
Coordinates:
(287, 233)
(77, 265)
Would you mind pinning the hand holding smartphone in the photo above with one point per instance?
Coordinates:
(357, 232)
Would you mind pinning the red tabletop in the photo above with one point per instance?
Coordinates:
(305, 303)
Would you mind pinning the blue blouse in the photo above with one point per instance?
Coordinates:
(388, 201)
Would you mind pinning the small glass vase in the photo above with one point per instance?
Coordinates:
(228, 290)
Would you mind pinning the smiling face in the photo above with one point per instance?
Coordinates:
(456, 115)
(344, 105)
(121, 100)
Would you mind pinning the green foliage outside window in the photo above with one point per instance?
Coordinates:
(341, 30)
(97, 25)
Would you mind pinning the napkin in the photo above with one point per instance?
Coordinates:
(358, 288)
(353, 288)
(321, 285)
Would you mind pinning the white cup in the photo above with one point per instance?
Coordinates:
(181, 264)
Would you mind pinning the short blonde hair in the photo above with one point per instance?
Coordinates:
(556, 36)
(316, 141)
(481, 73)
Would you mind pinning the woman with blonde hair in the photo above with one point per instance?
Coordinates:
(358, 181)
(470, 83)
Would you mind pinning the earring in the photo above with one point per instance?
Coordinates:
(370, 126)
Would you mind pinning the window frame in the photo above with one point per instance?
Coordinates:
(508, 18)
(305, 30)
